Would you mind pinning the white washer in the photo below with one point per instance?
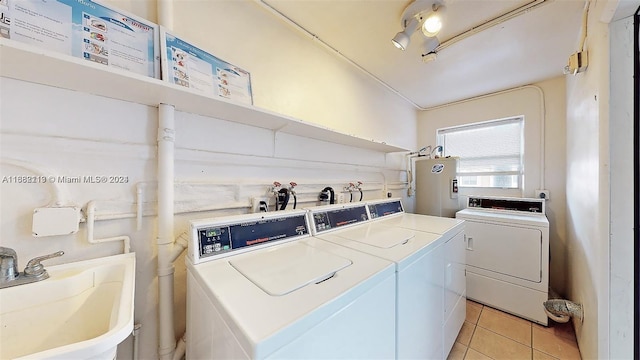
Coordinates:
(390, 212)
(508, 254)
(419, 272)
(258, 286)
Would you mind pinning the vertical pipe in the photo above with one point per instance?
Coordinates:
(136, 340)
(636, 176)
(165, 13)
(139, 205)
(166, 140)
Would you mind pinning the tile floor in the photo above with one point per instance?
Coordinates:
(488, 333)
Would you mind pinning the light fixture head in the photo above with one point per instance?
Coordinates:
(424, 14)
(401, 40)
(433, 22)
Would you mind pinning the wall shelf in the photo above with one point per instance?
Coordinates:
(27, 63)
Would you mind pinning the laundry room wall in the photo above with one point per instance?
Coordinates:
(621, 135)
(594, 281)
(291, 73)
(542, 101)
(219, 165)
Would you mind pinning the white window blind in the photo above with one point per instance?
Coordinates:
(490, 152)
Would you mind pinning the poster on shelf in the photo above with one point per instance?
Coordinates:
(186, 65)
(84, 29)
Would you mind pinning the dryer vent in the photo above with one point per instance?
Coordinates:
(561, 310)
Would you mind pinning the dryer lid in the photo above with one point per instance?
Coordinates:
(286, 269)
(384, 238)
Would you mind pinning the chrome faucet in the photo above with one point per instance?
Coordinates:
(34, 271)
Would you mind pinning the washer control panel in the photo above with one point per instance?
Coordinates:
(337, 216)
(385, 208)
(222, 236)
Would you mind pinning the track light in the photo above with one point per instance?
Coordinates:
(419, 14)
(402, 39)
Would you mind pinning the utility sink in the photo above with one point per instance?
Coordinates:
(83, 311)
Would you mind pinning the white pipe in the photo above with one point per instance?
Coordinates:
(166, 145)
(181, 348)
(165, 13)
(91, 218)
(543, 120)
(139, 205)
(493, 22)
(58, 199)
(585, 18)
(313, 36)
(136, 340)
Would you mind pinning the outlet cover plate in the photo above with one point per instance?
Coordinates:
(53, 221)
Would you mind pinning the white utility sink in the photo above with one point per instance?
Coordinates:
(83, 311)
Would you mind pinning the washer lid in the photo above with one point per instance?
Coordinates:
(286, 269)
(384, 238)
(427, 223)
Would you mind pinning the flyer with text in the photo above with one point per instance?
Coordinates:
(84, 29)
(186, 65)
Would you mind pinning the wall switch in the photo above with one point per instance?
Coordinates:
(52, 221)
(542, 194)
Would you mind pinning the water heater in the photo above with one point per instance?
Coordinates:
(437, 186)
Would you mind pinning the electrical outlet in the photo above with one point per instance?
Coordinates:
(340, 198)
(542, 194)
(255, 203)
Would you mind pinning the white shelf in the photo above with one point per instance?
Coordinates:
(27, 63)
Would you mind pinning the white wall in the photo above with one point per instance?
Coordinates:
(291, 73)
(218, 164)
(550, 108)
(621, 156)
(588, 190)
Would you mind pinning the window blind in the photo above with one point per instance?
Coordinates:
(488, 149)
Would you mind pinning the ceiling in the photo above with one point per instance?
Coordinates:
(531, 47)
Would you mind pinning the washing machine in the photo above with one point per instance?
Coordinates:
(508, 254)
(419, 266)
(260, 287)
(390, 212)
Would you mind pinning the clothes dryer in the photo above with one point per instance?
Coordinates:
(260, 287)
(419, 267)
(390, 212)
(508, 254)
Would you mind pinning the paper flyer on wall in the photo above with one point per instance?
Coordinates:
(84, 29)
(187, 65)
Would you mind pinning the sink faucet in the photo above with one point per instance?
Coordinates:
(34, 271)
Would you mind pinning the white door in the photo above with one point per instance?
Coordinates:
(509, 250)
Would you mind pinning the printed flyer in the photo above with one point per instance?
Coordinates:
(186, 65)
(84, 29)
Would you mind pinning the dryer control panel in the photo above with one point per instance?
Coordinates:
(221, 236)
(515, 205)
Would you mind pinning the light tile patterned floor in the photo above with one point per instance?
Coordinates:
(488, 333)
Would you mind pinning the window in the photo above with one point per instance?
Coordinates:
(490, 152)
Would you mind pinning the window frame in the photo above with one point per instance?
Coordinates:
(520, 173)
